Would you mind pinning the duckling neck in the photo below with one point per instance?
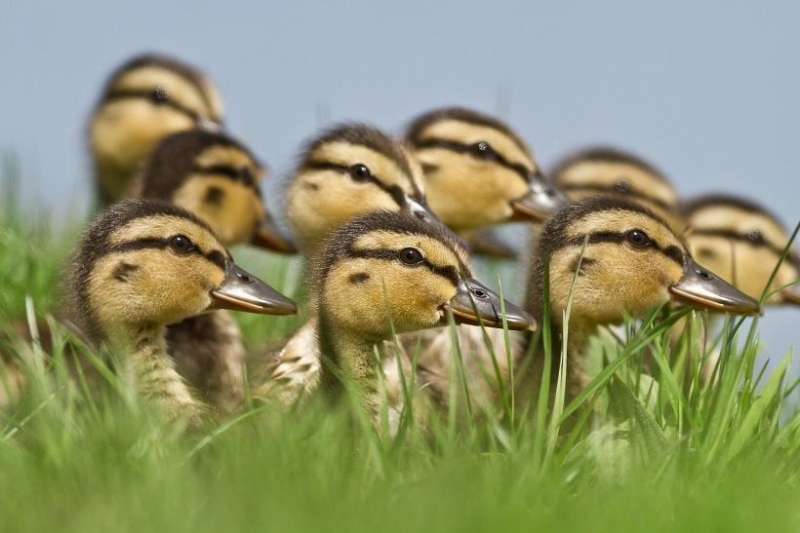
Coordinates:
(148, 367)
(349, 359)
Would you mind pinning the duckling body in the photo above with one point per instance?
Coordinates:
(142, 265)
(215, 177)
(385, 273)
(633, 261)
(144, 100)
(348, 170)
(743, 242)
(624, 260)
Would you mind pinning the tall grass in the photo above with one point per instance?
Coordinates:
(649, 445)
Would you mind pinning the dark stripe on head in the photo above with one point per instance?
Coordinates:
(605, 154)
(214, 256)
(554, 234)
(157, 96)
(700, 203)
(397, 194)
(359, 134)
(95, 243)
(340, 243)
(449, 272)
(420, 124)
(753, 238)
(189, 73)
(672, 252)
(616, 189)
(461, 148)
(173, 160)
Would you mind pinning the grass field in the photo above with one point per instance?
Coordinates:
(664, 453)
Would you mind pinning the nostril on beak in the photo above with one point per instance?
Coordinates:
(705, 274)
(245, 278)
(479, 293)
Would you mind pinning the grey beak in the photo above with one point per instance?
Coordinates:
(699, 287)
(269, 237)
(241, 291)
(210, 125)
(475, 304)
(541, 202)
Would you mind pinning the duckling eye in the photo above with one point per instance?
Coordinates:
(181, 244)
(411, 256)
(755, 236)
(160, 95)
(638, 238)
(360, 172)
(245, 174)
(623, 186)
(483, 149)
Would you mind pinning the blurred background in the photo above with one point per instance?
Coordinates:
(708, 91)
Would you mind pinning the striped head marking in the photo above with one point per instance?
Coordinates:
(213, 176)
(613, 172)
(743, 242)
(387, 270)
(145, 262)
(349, 170)
(478, 171)
(144, 100)
(628, 260)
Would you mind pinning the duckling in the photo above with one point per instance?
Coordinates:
(602, 170)
(215, 177)
(386, 273)
(743, 241)
(348, 170)
(144, 264)
(145, 99)
(633, 261)
(479, 173)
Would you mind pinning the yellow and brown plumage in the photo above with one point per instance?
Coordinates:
(742, 241)
(144, 264)
(216, 178)
(479, 173)
(386, 273)
(145, 99)
(348, 170)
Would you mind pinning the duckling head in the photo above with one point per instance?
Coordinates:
(144, 263)
(145, 99)
(217, 178)
(743, 242)
(347, 171)
(386, 272)
(624, 260)
(478, 172)
(613, 172)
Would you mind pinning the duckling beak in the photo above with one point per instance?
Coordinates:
(476, 304)
(700, 287)
(487, 242)
(540, 203)
(241, 291)
(269, 237)
(210, 125)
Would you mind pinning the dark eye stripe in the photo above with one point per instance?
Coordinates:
(150, 95)
(463, 148)
(449, 272)
(231, 173)
(213, 256)
(741, 237)
(397, 194)
(611, 189)
(672, 252)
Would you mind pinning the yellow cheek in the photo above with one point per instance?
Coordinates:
(231, 209)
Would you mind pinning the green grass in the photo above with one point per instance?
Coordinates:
(663, 453)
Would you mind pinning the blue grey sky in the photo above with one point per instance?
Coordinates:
(708, 91)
